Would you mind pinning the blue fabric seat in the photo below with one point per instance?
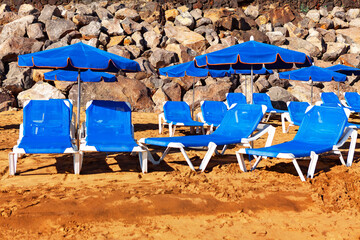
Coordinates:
(108, 128)
(46, 128)
(238, 124)
(232, 98)
(177, 113)
(212, 113)
(295, 114)
(330, 99)
(353, 100)
(321, 130)
(264, 99)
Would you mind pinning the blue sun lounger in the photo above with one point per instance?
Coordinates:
(264, 99)
(295, 114)
(232, 98)
(212, 113)
(177, 113)
(237, 127)
(108, 128)
(353, 101)
(330, 99)
(323, 129)
(46, 129)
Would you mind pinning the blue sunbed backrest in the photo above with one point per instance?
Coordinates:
(232, 98)
(108, 119)
(213, 111)
(330, 98)
(297, 111)
(352, 99)
(47, 118)
(262, 99)
(322, 125)
(241, 120)
(177, 111)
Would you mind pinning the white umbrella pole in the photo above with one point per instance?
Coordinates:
(252, 84)
(78, 107)
(193, 99)
(338, 89)
(245, 87)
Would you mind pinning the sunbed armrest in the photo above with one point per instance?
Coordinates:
(347, 133)
(265, 128)
(343, 102)
(318, 103)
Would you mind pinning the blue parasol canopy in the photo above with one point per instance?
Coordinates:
(347, 70)
(86, 76)
(78, 56)
(313, 73)
(189, 69)
(253, 54)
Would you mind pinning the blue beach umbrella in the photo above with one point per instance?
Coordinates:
(313, 74)
(347, 70)
(85, 76)
(78, 57)
(253, 55)
(189, 69)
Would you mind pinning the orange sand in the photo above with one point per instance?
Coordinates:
(112, 200)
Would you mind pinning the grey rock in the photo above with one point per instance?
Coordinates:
(185, 19)
(58, 28)
(252, 11)
(83, 9)
(203, 22)
(17, 79)
(339, 23)
(162, 58)
(92, 30)
(276, 38)
(313, 15)
(130, 26)
(355, 23)
(326, 23)
(27, 9)
(16, 28)
(35, 31)
(196, 14)
(48, 12)
(152, 39)
(103, 13)
(352, 14)
(127, 13)
(304, 46)
(334, 50)
(262, 84)
(279, 97)
(112, 27)
(7, 100)
(120, 50)
(14, 46)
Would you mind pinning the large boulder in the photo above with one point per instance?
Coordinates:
(276, 38)
(355, 23)
(35, 31)
(91, 31)
(16, 28)
(58, 28)
(120, 50)
(304, 46)
(172, 90)
(83, 20)
(171, 14)
(252, 11)
(7, 100)
(14, 46)
(129, 90)
(152, 39)
(185, 19)
(184, 54)
(162, 58)
(213, 92)
(350, 59)
(295, 31)
(40, 91)
(302, 91)
(262, 84)
(48, 12)
(130, 26)
(352, 14)
(186, 37)
(159, 98)
(18, 79)
(335, 50)
(127, 13)
(281, 15)
(313, 15)
(279, 97)
(112, 27)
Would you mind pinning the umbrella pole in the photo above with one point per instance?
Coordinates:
(193, 99)
(338, 89)
(246, 87)
(78, 108)
(252, 84)
(311, 93)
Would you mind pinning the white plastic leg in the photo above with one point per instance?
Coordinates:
(352, 148)
(143, 158)
(258, 159)
(12, 163)
(301, 175)
(78, 160)
(271, 135)
(187, 159)
(269, 115)
(164, 154)
(312, 166)
(171, 130)
(211, 149)
(160, 125)
(283, 123)
(223, 150)
(240, 159)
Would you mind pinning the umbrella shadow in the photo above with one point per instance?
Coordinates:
(128, 163)
(145, 126)
(11, 126)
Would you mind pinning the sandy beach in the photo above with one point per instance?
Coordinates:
(111, 199)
